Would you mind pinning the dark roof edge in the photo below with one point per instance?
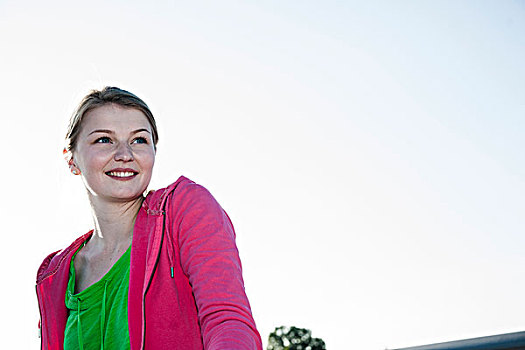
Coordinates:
(508, 341)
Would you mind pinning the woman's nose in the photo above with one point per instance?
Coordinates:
(123, 153)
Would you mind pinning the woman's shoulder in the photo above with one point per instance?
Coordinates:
(183, 190)
(53, 261)
(181, 184)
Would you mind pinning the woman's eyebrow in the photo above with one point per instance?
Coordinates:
(139, 130)
(101, 130)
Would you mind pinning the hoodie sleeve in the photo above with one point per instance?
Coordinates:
(210, 259)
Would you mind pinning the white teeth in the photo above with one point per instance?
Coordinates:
(121, 174)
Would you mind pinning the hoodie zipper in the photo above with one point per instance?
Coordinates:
(40, 323)
(146, 287)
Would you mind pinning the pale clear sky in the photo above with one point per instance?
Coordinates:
(370, 154)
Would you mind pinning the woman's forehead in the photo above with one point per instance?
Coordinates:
(112, 116)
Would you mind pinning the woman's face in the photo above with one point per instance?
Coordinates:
(115, 153)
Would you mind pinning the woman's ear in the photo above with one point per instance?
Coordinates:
(68, 155)
(74, 169)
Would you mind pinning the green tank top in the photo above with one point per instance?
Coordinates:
(98, 316)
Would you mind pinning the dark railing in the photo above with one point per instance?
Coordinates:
(509, 341)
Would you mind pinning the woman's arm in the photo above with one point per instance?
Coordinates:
(210, 259)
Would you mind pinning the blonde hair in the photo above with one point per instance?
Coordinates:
(98, 98)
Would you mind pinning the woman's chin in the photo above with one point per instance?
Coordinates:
(118, 196)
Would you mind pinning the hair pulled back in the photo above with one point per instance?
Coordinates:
(98, 98)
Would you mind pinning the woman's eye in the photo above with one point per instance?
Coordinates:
(140, 140)
(103, 140)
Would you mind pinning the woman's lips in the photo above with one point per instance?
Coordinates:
(122, 174)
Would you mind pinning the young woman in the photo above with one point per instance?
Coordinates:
(156, 272)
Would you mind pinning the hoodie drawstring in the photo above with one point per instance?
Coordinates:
(160, 212)
(161, 225)
(169, 243)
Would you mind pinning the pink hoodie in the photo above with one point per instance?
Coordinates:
(185, 287)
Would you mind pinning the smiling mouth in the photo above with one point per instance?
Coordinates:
(121, 174)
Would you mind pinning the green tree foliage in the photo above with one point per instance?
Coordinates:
(293, 338)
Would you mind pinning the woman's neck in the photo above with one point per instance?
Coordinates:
(114, 223)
